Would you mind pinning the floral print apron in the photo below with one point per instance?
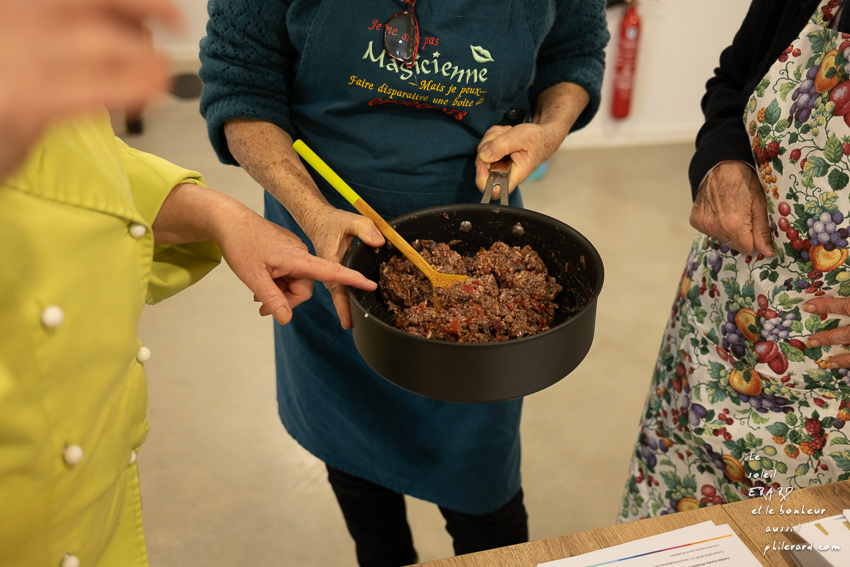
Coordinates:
(738, 405)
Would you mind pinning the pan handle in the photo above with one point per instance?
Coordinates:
(513, 117)
(500, 171)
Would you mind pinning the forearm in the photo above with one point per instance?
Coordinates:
(265, 152)
(556, 110)
(273, 262)
(558, 107)
(720, 165)
(194, 213)
(531, 144)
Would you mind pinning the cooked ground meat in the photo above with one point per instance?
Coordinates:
(509, 294)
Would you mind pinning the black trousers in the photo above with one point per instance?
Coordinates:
(377, 520)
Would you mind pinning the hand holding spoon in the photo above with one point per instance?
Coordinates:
(437, 279)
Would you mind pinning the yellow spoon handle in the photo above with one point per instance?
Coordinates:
(322, 168)
(352, 197)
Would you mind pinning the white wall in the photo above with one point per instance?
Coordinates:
(680, 43)
(183, 48)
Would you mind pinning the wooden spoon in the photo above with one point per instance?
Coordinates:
(437, 279)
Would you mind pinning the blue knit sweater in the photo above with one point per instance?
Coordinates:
(251, 56)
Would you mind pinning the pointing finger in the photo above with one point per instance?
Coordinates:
(331, 272)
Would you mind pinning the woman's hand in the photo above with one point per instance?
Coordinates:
(730, 206)
(277, 267)
(530, 144)
(332, 231)
(269, 259)
(265, 151)
(837, 336)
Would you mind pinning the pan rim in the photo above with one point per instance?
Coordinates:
(496, 208)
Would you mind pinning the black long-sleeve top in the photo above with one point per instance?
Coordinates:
(769, 27)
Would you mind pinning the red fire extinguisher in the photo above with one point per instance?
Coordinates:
(626, 59)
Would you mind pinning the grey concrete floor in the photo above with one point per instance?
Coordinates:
(224, 485)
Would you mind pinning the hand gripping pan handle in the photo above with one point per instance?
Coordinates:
(500, 171)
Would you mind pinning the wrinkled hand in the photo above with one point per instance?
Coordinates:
(730, 207)
(64, 57)
(528, 144)
(837, 336)
(277, 267)
(332, 231)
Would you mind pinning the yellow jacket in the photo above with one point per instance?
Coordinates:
(77, 262)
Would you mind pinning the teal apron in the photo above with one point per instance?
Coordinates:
(404, 139)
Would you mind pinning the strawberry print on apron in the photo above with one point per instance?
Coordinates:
(734, 380)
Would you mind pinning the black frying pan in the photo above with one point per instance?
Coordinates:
(481, 372)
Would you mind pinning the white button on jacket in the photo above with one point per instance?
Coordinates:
(73, 454)
(143, 355)
(52, 317)
(137, 230)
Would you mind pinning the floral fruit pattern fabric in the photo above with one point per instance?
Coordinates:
(734, 377)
